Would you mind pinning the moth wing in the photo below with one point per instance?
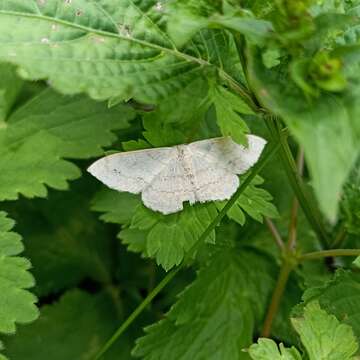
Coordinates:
(132, 171)
(169, 189)
(224, 153)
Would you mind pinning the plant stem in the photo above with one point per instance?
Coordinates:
(329, 253)
(275, 233)
(311, 213)
(256, 169)
(340, 237)
(295, 206)
(276, 297)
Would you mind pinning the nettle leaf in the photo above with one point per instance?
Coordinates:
(10, 87)
(340, 297)
(216, 315)
(47, 129)
(110, 49)
(326, 127)
(229, 108)
(323, 336)
(254, 201)
(17, 305)
(79, 321)
(170, 237)
(267, 349)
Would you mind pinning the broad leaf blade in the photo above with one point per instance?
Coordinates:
(109, 49)
(215, 316)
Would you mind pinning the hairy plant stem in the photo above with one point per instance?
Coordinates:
(256, 169)
(311, 212)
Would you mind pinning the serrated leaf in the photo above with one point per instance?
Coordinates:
(10, 87)
(47, 129)
(17, 305)
(109, 49)
(340, 297)
(170, 237)
(267, 349)
(323, 336)
(229, 108)
(326, 127)
(75, 327)
(118, 207)
(255, 202)
(216, 315)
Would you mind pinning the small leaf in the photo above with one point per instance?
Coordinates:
(323, 336)
(229, 108)
(267, 349)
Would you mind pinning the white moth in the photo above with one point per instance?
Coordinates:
(166, 177)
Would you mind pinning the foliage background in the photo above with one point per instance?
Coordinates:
(81, 78)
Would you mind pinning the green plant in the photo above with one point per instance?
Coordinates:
(134, 74)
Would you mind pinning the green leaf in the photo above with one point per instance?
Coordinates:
(229, 108)
(340, 297)
(64, 240)
(255, 202)
(267, 349)
(44, 131)
(327, 129)
(10, 87)
(216, 315)
(110, 49)
(170, 237)
(17, 305)
(118, 207)
(323, 336)
(190, 16)
(350, 204)
(72, 328)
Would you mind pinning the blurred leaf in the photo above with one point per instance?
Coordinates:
(17, 305)
(10, 88)
(47, 129)
(216, 315)
(75, 327)
(64, 240)
(326, 128)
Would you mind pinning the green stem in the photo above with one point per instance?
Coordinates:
(276, 297)
(340, 237)
(329, 253)
(312, 214)
(256, 169)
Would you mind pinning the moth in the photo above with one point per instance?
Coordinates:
(166, 177)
